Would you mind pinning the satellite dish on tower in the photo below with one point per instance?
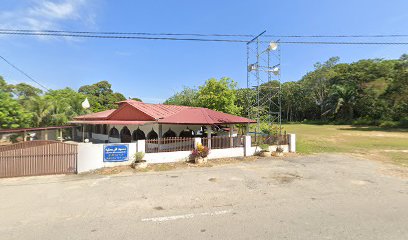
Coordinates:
(274, 70)
(85, 104)
(273, 46)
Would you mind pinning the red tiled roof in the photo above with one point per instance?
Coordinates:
(157, 111)
(117, 122)
(97, 115)
(203, 116)
(165, 114)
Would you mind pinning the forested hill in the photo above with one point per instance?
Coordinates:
(372, 92)
(368, 90)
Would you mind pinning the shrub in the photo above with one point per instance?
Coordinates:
(389, 124)
(404, 122)
(363, 121)
(139, 156)
(264, 147)
(200, 151)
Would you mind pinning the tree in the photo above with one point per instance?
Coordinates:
(187, 97)
(343, 100)
(41, 110)
(101, 96)
(12, 114)
(137, 99)
(219, 95)
(66, 104)
(25, 91)
(318, 83)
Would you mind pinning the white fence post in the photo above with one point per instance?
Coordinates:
(247, 145)
(292, 142)
(197, 141)
(141, 146)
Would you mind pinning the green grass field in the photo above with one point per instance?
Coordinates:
(374, 142)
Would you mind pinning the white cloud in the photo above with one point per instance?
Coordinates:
(49, 14)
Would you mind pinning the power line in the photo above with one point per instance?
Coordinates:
(195, 39)
(205, 35)
(22, 72)
(121, 37)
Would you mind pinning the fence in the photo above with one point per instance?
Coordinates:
(270, 139)
(221, 142)
(171, 144)
(37, 158)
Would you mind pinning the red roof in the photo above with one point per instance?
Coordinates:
(97, 115)
(137, 113)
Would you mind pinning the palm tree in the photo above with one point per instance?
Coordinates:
(41, 110)
(344, 97)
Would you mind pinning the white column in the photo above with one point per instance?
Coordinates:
(231, 131)
(197, 141)
(247, 145)
(209, 130)
(292, 142)
(141, 146)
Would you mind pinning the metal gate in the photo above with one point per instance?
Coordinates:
(38, 158)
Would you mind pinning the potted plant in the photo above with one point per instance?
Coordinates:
(200, 153)
(279, 151)
(138, 162)
(264, 150)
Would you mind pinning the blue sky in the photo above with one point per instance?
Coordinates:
(154, 70)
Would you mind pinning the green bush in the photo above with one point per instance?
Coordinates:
(389, 124)
(264, 147)
(404, 122)
(139, 156)
(363, 121)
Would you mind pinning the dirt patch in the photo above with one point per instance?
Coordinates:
(285, 178)
(112, 170)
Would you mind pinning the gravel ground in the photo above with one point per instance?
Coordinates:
(309, 197)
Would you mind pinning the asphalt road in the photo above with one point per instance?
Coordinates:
(314, 197)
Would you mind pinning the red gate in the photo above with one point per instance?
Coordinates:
(38, 158)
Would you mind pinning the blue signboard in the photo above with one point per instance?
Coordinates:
(115, 153)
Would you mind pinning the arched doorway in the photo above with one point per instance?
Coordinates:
(152, 135)
(187, 133)
(169, 134)
(125, 135)
(114, 133)
(138, 135)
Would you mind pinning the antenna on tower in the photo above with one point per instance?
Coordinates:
(264, 78)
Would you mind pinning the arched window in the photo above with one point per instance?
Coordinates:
(125, 135)
(169, 134)
(138, 135)
(114, 133)
(152, 135)
(187, 133)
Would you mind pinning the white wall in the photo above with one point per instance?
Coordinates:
(226, 152)
(166, 157)
(90, 157)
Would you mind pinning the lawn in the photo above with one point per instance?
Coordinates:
(374, 142)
